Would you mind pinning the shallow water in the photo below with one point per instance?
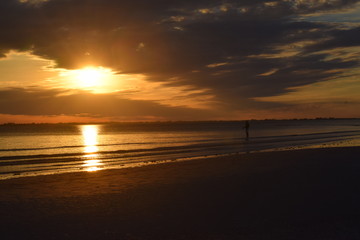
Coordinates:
(37, 149)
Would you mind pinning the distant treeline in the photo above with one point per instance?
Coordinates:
(179, 122)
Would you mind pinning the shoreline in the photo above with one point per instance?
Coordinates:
(298, 194)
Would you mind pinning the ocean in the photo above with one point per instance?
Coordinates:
(42, 149)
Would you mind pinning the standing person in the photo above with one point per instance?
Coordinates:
(247, 126)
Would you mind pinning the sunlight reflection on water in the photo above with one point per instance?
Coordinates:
(90, 139)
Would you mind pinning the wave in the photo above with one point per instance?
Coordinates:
(265, 138)
(24, 164)
(253, 144)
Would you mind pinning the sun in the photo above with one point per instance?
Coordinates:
(90, 77)
(95, 79)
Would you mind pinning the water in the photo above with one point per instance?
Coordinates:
(37, 149)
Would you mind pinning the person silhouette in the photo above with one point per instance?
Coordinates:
(246, 127)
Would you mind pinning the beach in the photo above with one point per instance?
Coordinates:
(299, 194)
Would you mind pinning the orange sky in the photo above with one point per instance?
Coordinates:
(62, 61)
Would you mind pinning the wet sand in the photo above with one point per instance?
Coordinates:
(300, 194)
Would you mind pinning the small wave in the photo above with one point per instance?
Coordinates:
(163, 149)
(105, 145)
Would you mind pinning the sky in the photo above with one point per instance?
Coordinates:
(161, 60)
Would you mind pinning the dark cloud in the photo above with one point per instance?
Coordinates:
(338, 38)
(35, 101)
(224, 46)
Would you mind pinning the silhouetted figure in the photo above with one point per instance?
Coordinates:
(247, 126)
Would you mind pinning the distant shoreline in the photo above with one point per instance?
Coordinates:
(156, 122)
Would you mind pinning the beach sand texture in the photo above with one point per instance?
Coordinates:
(300, 194)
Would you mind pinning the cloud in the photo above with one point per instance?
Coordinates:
(224, 46)
(338, 38)
(36, 101)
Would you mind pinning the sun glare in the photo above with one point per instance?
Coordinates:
(90, 139)
(96, 79)
(91, 77)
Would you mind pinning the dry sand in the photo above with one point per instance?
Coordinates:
(302, 194)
